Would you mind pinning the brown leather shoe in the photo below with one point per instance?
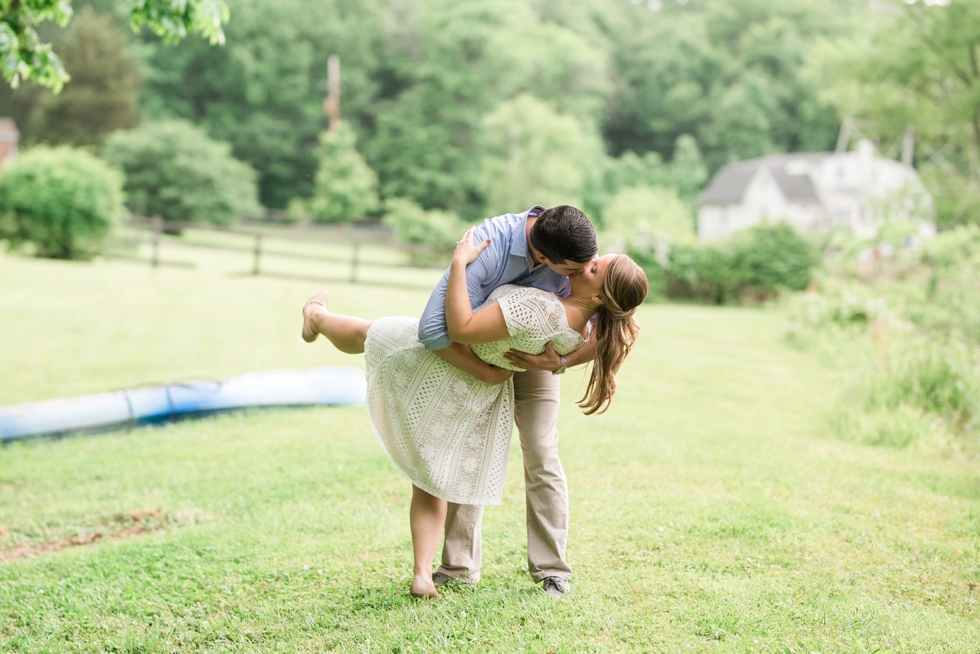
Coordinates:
(442, 579)
(555, 586)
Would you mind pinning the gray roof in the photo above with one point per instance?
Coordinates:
(729, 184)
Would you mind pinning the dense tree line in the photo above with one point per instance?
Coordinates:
(468, 107)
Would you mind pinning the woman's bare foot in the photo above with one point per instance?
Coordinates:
(318, 300)
(422, 587)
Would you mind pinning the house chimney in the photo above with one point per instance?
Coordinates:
(866, 149)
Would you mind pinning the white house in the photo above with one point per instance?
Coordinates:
(852, 191)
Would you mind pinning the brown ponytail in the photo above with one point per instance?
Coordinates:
(624, 288)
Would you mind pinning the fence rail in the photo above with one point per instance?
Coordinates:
(355, 238)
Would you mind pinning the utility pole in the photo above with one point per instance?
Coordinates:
(908, 145)
(331, 103)
(843, 137)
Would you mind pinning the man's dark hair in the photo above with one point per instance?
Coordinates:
(564, 233)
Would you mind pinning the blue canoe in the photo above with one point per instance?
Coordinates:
(152, 404)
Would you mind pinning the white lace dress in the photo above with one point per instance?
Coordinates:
(444, 429)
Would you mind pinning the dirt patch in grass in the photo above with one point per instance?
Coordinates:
(124, 525)
(13, 486)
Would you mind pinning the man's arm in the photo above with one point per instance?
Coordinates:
(463, 358)
(465, 326)
(434, 333)
(549, 359)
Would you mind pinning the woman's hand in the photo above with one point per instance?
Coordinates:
(466, 251)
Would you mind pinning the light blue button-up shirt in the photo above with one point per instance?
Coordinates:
(507, 260)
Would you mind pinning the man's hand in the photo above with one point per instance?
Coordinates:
(547, 360)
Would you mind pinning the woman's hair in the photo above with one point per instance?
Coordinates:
(624, 288)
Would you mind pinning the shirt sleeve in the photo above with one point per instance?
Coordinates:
(433, 332)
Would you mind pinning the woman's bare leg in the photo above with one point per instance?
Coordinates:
(347, 333)
(428, 517)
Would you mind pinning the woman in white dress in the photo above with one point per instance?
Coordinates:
(446, 430)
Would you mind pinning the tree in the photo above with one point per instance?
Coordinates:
(104, 93)
(436, 229)
(175, 171)
(728, 73)
(531, 154)
(263, 93)
(460, 62)
(686, 172)
(63, 201)
(917, 65)
(345, 187)
(23, 55)
(741, 119)
(648, 211)
(666, 68)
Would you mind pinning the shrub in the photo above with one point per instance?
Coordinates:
(175, 171)
(652, 210)
(924, 386)
(345, 186)
(898, 427)
(297, 212)
(768, 258)
(754, 265)
(940, 378)
(437, 230)
(62, 200)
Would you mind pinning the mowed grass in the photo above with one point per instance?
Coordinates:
(710, 509)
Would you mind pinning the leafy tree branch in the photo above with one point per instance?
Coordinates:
(23, 54)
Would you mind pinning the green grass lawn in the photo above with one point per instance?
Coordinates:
(711, 511)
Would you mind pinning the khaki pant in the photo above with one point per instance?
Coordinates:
(536, 395)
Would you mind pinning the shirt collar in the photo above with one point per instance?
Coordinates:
(519, 246)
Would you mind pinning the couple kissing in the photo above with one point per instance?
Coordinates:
(525, 298)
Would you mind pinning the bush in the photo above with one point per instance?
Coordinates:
(345, 186)
(754, 265)
(297, 212)
(652, 210)
(438, 231)
(769, 258)
(175, 171)
(62, 200)
(898, 427)
(924, 387)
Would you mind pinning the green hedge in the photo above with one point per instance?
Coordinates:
(754, 265)
(64, 201)
(437, 230)
(175, 171)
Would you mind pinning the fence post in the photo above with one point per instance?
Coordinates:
(258, 254)
(157, 231)
(353, 262)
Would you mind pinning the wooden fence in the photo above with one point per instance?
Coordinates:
(265, 237)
